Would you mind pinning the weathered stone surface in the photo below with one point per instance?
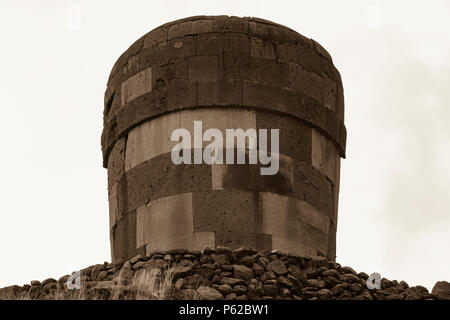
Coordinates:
(209, 279)
(442, 290)
(258, 241)
(416, 293)
(324, 294)
(270, 290)
(138, 148)
(261, 49)
(278, 267)
(296, 221)
(232, 281)
(242, 272)
(351, 278)
(203, 68)
(248, 177)
(102, 275)
(330, 272)
(137, 85)
(348, 270)
(316, 283)
(159, 177)
(8, 293)
(225, 210)
(163, 218)
(247, 261)
(285, 282)
(257, 269)
(269, 275)
(225, 289)
(325, 156)
(116, 162)
(95, 271)
(209, 293)
(240, 290)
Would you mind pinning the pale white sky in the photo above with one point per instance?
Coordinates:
(394, 214)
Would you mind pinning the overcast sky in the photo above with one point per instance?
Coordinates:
(394, 212)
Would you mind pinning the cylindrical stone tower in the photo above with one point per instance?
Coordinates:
(230, 73)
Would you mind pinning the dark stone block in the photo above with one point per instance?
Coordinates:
(160, 177)
(226, 210)
(210, 43)
(116, 162)
(242, 67)
(124, 237)
(218, 93)
(294, 135)
(276, 73)
(313, 187)
(203, 68)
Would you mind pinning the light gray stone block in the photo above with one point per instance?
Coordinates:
(135, 86)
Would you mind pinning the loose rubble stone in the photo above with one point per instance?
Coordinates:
(257, 269)
(242, 272)
(231, 296)
(188, 256)
(232, 281)
(208, 293)
(316, 283)
(140, 265)
(395, 296)
(278, 267)
(180, 283)
(35, 283)
(247, 261)
(224, 250)
(135, 259)
(365, 295)
(348, 270)
(331, 281)
(330, 272)
(363, 275)
(47, 281)
(415, 293)
(225, 289)
(324, 294)
(285, 282)
(241, 252)
(442, 290)
(403, 284)
(181, 273)
(285, 292)
(267, 276)
(95, 271)
(263, 261)
(219, 274)
(350, 278)
(270, 290)
(356, 288)
(240, 289)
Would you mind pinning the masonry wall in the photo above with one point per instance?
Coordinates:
(228, 72)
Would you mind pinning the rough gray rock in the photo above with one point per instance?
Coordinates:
(208, 293)
(242, 272)
(273, 275)
(278, 267)
(441, 290)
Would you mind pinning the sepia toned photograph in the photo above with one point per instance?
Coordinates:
(261, 154)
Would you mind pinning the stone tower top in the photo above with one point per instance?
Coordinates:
(227, 73)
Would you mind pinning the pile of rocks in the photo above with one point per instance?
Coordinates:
(223, 273)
